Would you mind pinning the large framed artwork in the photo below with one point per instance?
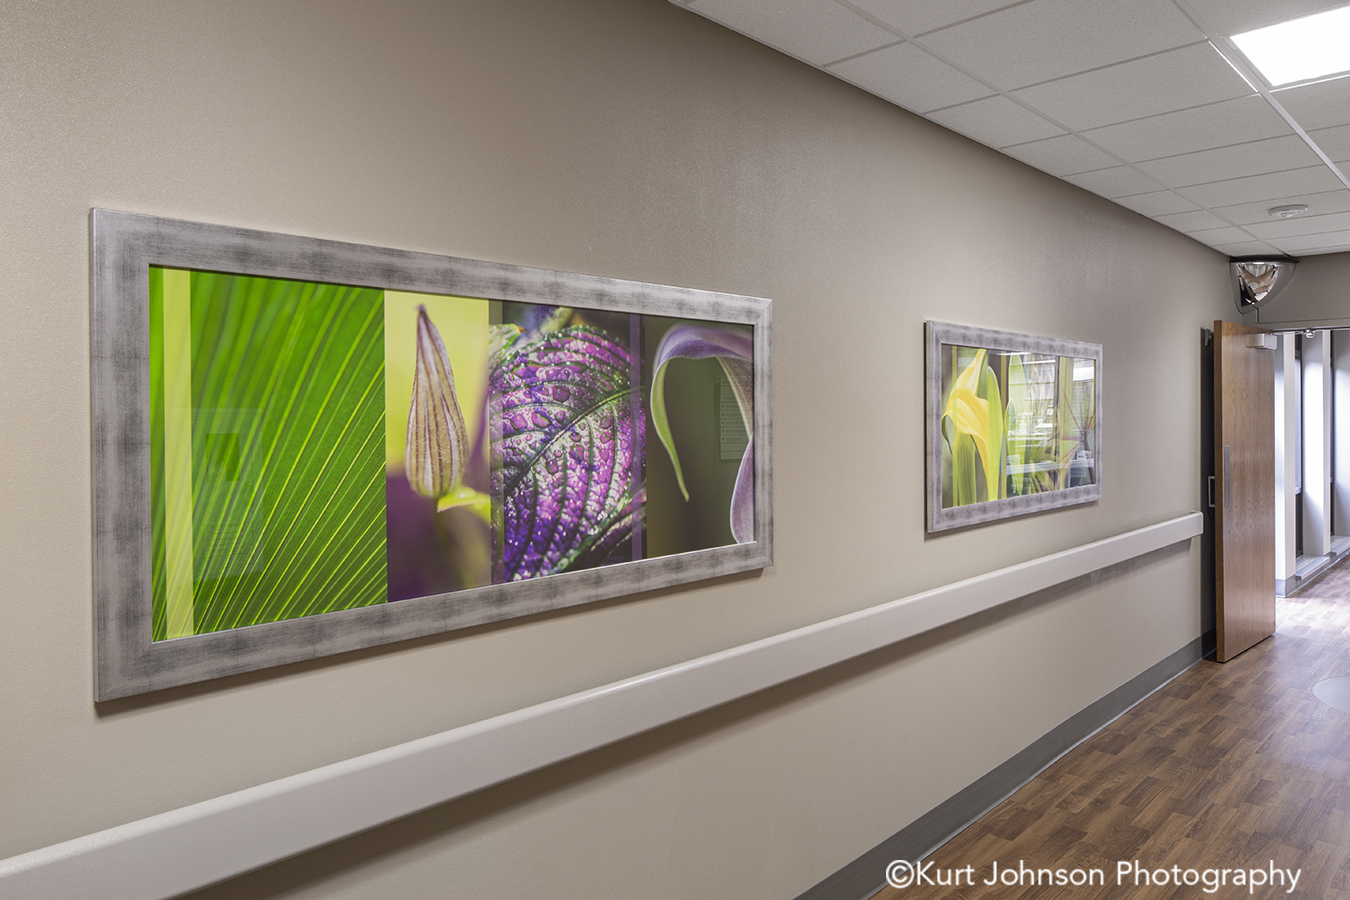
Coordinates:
(303, 447)
(1013, 424)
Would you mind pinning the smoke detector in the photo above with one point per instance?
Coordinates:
(1287, 212)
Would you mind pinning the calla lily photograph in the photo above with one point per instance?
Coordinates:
(1013, 424)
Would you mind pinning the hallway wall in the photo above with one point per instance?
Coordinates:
(625, 138)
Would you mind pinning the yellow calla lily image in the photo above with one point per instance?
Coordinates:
(1015, 423)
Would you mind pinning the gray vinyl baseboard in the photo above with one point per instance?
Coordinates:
(866, 875)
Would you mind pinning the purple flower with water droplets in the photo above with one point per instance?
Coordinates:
(568, 437)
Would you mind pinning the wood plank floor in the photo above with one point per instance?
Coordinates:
(1229, 766)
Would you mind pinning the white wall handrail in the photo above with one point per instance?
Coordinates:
(172, 853)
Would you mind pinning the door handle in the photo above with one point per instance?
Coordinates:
(1211, 492)
(1227, 477)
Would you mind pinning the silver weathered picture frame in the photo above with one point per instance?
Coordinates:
(938, 334)
(123, 248)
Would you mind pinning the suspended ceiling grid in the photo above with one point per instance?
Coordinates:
(1144, 102)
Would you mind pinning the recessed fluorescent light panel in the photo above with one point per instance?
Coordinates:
(1300, 49)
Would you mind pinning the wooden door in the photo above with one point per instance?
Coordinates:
(1244, 492)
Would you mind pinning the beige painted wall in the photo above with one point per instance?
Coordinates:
(626, 138)
(1317, 296)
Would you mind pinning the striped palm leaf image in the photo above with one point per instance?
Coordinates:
(267, 418)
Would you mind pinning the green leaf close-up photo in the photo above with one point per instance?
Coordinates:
(268, 450)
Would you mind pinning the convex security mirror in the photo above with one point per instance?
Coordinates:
(1259, 280)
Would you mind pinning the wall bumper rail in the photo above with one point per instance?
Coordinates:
(185, 849)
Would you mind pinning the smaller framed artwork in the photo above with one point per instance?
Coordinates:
(303, 447)
(1013, 424)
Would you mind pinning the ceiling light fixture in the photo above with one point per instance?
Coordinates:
(1287, 212)
(1301, 49)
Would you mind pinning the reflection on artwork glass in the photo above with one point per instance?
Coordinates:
(319, 447)
(1015, 424)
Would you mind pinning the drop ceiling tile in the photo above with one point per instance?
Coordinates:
(1248, 118)
(1177, 79)
(1158, 203)
(909, 77)
(1300, 226)
(995, 122)
(1045, 39)
(1212, 236)
(1320, 105)
(1256, 158)
(1063, 155)
(1318, 205)
(1121, 181)
(1320, 251)
(817, 31)
(1335, 142)
(914, 17)
(1271, 187)
(1230, 17)
(1246, 248)
(1192, 221)
(1326, 243)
